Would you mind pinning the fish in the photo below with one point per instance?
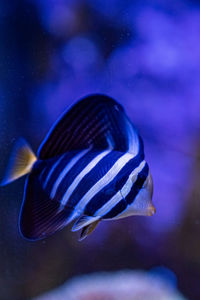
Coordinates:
(89, 168)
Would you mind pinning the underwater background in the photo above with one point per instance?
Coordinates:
(146, 55)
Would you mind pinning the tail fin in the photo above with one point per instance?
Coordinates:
(20, 163)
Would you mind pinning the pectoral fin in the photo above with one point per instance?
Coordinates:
(84, 221)
(88, 229)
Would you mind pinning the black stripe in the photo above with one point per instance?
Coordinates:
(74, 172)
(59, 168)
(94, 176)
(124, 203)
(113, 187)
(116, 210)
(138, 184)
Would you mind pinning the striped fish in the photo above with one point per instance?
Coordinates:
(89, 168)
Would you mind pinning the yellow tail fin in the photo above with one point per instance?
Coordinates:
(20, 163)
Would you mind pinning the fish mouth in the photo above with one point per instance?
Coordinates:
(151, 210)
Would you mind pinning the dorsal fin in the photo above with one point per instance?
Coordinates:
(97, 121)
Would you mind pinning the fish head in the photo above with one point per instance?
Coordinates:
(147, 194)
(142, 204)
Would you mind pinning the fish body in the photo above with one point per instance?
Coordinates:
(89, 168)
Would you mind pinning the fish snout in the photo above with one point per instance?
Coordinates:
(148, 194)
(151, 210)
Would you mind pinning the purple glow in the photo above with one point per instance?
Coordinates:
(116, 286)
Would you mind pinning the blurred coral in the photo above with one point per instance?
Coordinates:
(126, 285)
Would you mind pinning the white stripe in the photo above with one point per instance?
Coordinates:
(80, 176)
(51, 171)
(106, 179)
(122, 193)
(109, 205)
(72, 162)
(131, 180)
(133, 139)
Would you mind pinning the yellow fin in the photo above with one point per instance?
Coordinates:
(20, 163)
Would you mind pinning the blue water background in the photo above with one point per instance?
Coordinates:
(145, 54)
